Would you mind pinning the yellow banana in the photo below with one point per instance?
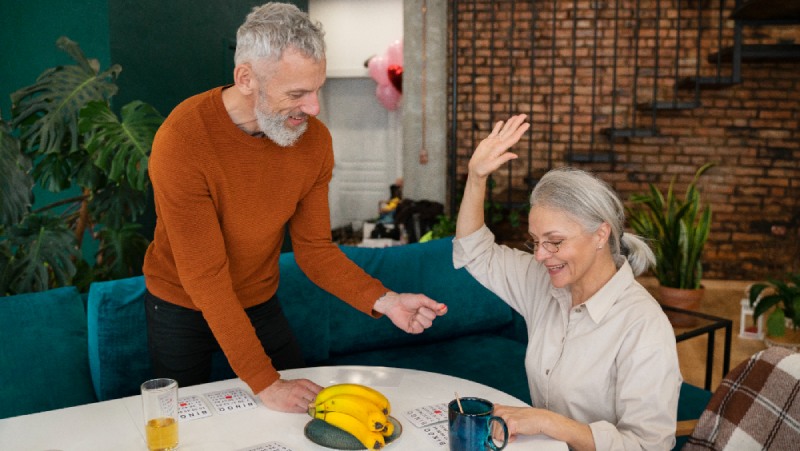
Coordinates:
(370, 393)
(357, 406)
(388, 430)
(370, 439)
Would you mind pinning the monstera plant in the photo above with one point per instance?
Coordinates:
(64, 136)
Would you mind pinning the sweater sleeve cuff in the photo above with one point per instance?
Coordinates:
(262, 380)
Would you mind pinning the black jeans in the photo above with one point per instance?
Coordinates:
(181, 344)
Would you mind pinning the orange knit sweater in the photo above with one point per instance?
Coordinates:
(222, 200)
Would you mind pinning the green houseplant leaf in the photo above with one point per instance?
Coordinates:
(5, 261)
(677, 229)
(63, 134)
(444, 227)
(779, 298)
(776, 323)
(120, 251)
(45, 251)
(15, 180)
(46, 112)
(117, 204)
(121, 148)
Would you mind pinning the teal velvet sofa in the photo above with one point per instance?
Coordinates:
(59, 348)
(94, 347)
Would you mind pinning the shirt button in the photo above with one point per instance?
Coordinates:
(547, 372)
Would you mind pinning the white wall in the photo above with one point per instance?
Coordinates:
(356, 30)
(367, 139)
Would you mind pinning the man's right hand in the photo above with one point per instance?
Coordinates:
(292, 395)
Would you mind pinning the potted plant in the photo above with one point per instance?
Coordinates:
(783, 298)
(444, 227)
(677, 229)
(63, 134)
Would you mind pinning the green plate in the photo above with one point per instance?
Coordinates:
(324, 434)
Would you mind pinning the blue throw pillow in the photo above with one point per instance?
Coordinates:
(43, 355)
(118, 355)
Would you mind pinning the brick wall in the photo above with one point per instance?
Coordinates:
(575, 74)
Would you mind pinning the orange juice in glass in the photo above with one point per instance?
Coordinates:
(160, 405)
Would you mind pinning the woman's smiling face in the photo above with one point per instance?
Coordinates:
(577, 254)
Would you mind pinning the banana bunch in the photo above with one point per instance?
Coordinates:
(360, 410)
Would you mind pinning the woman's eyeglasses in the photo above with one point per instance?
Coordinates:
(549, 246)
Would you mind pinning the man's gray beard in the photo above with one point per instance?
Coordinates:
(274, 127)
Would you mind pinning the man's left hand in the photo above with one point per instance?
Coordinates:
(412, 313)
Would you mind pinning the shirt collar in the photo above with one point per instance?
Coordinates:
(601, 302)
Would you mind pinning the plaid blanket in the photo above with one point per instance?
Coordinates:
(755, 407)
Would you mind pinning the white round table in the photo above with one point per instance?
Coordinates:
(118, 424)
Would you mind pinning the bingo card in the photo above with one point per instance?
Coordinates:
(232, 400)
(428, 415)
(192, 408)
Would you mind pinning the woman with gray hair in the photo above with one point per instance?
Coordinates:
(601, 360)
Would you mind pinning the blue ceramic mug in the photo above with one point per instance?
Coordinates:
(471, 429)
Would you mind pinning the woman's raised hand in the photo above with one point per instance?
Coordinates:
(490, 154)
(493, 152)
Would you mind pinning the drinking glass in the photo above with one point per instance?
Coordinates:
(160, 404)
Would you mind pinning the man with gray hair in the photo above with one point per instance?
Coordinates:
(232, 168)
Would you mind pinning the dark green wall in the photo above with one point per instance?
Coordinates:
(168, 49)
(29, 29)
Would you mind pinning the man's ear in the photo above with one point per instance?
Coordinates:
(244, 78)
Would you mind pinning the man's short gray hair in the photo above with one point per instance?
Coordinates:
(272, 28)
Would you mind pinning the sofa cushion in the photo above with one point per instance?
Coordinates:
(43, 355)
(306, 307)
(425, 268)
(119, 358)
(691, 403)
(118, 355)
(485, 358)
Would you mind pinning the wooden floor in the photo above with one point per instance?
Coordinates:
(722, 298)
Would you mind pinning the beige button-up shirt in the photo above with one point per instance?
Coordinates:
(610, 362)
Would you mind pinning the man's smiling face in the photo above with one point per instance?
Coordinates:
(287, 95)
